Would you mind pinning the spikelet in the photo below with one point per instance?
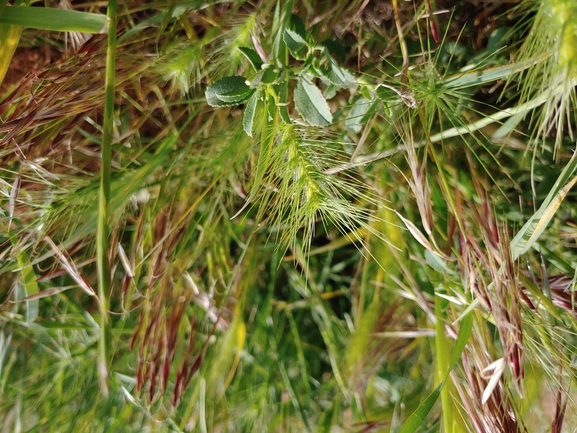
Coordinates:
(552, 46)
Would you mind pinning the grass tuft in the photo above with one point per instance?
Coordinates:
(367, 228)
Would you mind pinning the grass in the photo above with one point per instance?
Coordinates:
(372, 230)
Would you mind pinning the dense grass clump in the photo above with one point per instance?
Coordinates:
(288, 216)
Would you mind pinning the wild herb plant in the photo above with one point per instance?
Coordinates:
(313, 216)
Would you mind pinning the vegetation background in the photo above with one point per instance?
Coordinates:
(285, 215)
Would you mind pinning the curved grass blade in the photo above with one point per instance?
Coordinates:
(416, 419)
(484, 76)
(418, 416)
(530, 232)
(9, 37)
(58, 20)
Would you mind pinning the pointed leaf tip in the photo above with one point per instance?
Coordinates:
(311, 104)
(228, 91)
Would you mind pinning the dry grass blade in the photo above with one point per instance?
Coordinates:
(70, 268)
(13, 196)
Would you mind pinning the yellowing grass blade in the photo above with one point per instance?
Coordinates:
(9, 38)
(530, 232)
(13, 18)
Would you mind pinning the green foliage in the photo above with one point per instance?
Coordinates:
(311, 104)
(313, 216)
(527, 236)
(53, 19)
(308, 98)
(228, 91)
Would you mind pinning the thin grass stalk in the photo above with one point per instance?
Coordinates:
(442, 356)
(102, 234)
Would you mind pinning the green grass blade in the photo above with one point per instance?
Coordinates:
(442, 348)
(30, 286)
(464, 333)
(519, 110)
(418, 416)
(54, 19)
(530, 232)
(484, 76)
(102, 236)
(9, 38)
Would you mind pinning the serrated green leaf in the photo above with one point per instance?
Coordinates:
(311, 104)
(336, 49)
(213, 101)
(264, 76)
(227, 86)
(249, 113)
(237, 96)
(228, 91)
(338, 76)
(361, 111)
(335, 74)
(252, 56)
(331, 91)
(297, 25)
(297, 39)
(296, 44)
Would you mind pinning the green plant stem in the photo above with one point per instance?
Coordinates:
(443, 368)
(102, 236)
